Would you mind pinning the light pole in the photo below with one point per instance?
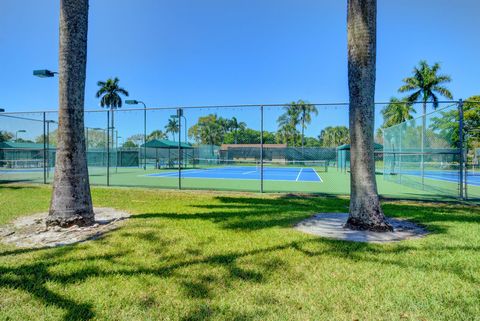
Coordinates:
(185, 119)
(136, 102)
(19, 131)
(44, 73)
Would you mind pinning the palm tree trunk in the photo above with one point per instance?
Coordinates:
(365, 210)
(71, 202)
(303, 132)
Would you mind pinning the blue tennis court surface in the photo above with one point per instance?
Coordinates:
(473, 178)
(300, 174)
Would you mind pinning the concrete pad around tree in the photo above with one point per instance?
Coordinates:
(32, 232)
(331, 225)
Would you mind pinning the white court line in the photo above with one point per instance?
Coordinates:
(321, 180)
(298, 176)
(246, 173)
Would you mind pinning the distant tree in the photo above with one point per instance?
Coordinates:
(287, 124)
(334, 136)
(156, 134)
(172, 127)
(287, 134)
(136, 138)
(396, 112)
(5, 136)
(306, 110)
(52, 138)
(129, 144)
(235, 126)
(207, 130)
(110, 96)
(312, 142)
(446, 125)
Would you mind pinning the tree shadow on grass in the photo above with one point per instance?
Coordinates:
(246, 214)
(252, 214)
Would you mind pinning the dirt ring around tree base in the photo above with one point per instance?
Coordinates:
(331, 225)
(32, 232)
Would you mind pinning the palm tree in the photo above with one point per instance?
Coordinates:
(365, 210)
(426, 85)
(397, 111)
(289, 121)
(109, 94)
(334, 136)
(71, 202)
(306, 111)
(172, 127)
(235, 125)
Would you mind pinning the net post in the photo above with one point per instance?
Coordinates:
(460, 151)
(179, 113)
(261, 149)
(108, 147)
(44, 149)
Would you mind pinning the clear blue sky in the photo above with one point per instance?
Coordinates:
(210, 52)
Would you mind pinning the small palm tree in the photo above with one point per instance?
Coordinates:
(397, 111)
(235, 125)
(172, 127)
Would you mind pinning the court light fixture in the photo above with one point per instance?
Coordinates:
(44, 73)
(2, 110)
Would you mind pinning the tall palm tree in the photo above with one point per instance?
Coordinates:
(306, 111)
(426, 85)
(71, 202)
(172, 127)
(288, 122)
(397, 111)
(109, 94)
(235, 125)
(365, 209)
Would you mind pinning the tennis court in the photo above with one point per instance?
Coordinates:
(291, 174)
(473, 178)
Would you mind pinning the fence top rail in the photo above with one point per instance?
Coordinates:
(332, 104)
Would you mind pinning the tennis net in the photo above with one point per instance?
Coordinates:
(255, 164)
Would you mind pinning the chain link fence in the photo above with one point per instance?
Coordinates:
(249, 148)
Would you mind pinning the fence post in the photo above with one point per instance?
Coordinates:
(44, 149)
(179, 115)
(261, 149)
(460, 138)
(108, 147)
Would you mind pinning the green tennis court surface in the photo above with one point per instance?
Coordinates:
(334, 183)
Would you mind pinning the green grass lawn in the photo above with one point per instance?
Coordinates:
(196, 255)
